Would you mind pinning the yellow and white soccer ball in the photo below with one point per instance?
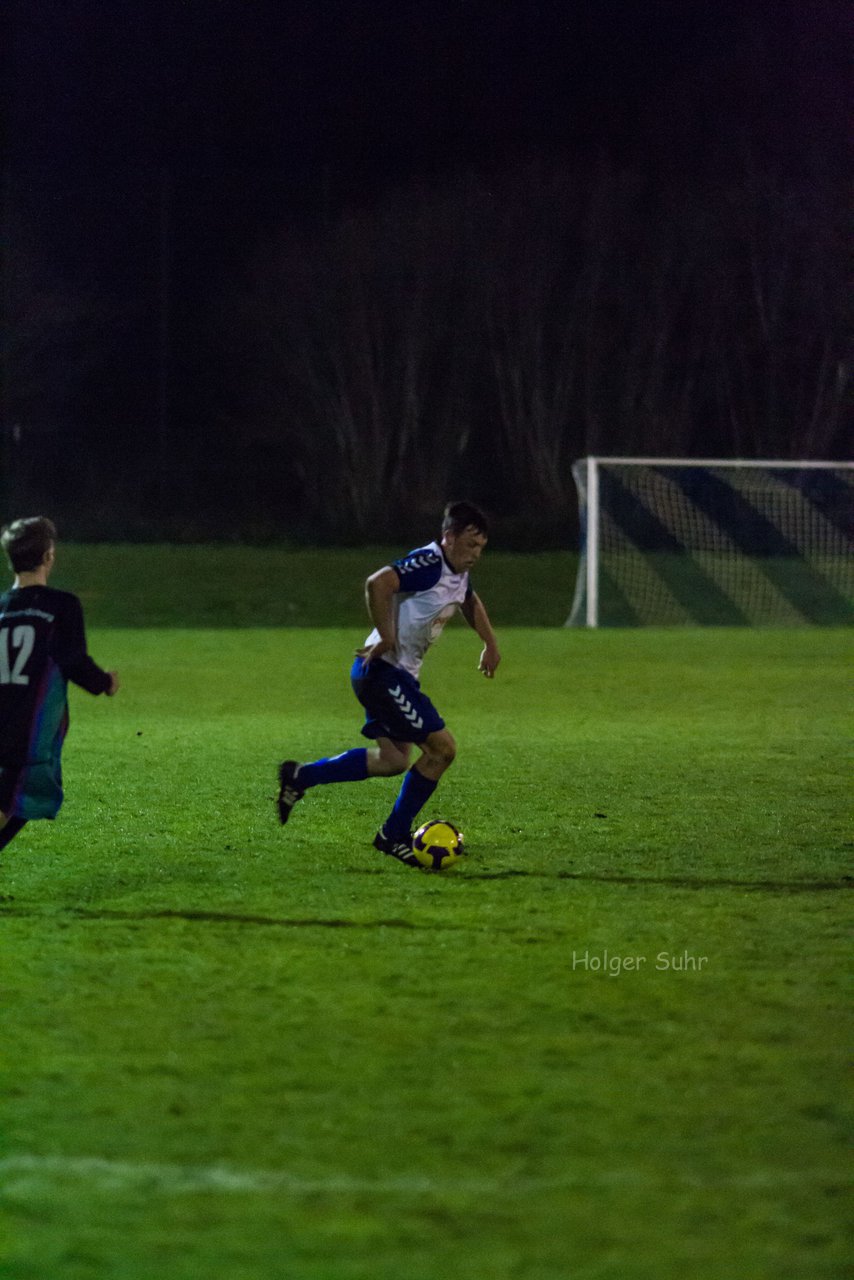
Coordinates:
(438, 845)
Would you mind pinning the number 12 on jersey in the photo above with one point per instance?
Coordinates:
(16, 645)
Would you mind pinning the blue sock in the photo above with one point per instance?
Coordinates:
(413, 795)
(350, 766)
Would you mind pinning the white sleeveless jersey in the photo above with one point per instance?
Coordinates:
(430, 594)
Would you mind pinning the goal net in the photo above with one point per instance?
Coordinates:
(669, 542)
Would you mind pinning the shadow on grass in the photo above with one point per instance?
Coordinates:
(675, 882)
(395, 922)
(229, 917)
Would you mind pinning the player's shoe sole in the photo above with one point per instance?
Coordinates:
(400, 849)
(289, 789)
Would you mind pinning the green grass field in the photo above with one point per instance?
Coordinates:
(238, 586)
(235, 1051)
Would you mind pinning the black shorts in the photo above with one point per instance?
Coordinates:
(395, 706)
(31, 791)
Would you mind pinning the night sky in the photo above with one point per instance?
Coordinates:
(358, 93)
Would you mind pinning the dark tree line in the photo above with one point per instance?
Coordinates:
(486, 335)
(472, 335)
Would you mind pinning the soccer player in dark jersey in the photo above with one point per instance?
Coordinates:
(409, 603)
(42, 647)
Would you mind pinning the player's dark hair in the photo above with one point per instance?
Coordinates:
(27, 542)
(464, 515)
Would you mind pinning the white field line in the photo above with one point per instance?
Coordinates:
(28, 1174)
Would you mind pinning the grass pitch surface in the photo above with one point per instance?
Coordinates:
(610, 1047)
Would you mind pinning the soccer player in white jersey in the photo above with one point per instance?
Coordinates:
(409, 603)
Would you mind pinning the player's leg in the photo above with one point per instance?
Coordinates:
(437, 753)
(9, 828)
(10, 790)
(420, 722)
(386, 759)
(295, 779)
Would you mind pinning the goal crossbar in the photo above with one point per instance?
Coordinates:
(775, 464)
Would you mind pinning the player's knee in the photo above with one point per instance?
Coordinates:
(442, 750)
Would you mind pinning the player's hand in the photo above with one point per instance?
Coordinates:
(115, 684)
(369, 652)
(489, 660)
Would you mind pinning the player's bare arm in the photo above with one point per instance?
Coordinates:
(380, 590)
(474, 612)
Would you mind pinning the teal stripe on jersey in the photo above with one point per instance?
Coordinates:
(38, 790)
(50, 716)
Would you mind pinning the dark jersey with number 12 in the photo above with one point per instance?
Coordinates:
(42, 647)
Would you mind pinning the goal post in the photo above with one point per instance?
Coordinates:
(714, 542)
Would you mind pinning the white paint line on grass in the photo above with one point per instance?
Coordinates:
(24, 1175)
